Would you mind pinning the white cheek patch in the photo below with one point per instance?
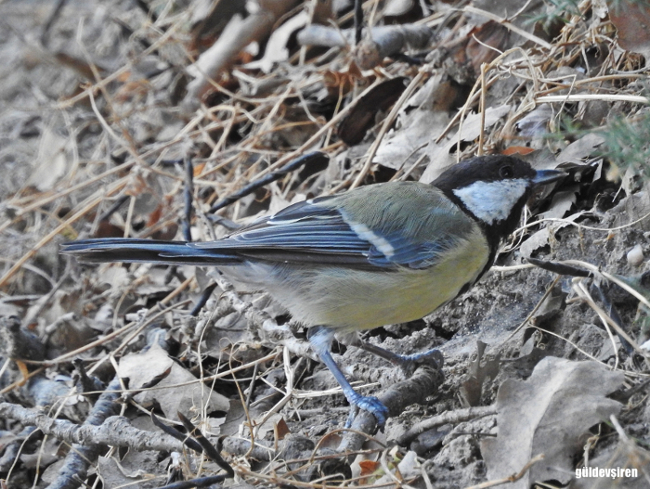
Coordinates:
(492, 201)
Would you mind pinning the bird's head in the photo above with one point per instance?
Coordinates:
(494, 189)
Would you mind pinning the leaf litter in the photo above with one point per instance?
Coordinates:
(103, 105)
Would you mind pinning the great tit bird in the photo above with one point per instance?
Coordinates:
(377, 255)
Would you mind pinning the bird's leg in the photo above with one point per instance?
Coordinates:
(321, 338)
(408, 363)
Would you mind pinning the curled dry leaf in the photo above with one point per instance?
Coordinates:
(632, 19)
(53, 161)
(533, 125)
(486, 43)
(379, 43)
(480, 370)
(548, 414)
(362, 117)
(542, 237)
(426, 113)
(440, 153)
(581, 149)
(185, 395)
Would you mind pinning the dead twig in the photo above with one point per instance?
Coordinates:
(416, 389)
(450, 417)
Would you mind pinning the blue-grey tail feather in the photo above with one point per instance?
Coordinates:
(132, 250)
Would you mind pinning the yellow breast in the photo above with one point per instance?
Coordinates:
(350, 300)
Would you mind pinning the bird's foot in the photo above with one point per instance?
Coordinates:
(408, 363)
(367, 403)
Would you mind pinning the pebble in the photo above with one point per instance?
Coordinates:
(635, 256)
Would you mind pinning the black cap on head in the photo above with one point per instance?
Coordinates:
(485, 168)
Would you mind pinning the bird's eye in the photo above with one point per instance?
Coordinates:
(506, 171)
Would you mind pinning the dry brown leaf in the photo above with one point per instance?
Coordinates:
(52, 161)
(129, 470)
(632, 19)
(423, 116)
(542, 237)
(515, 150)
(534, 124)
(368, 467)
(480, 369)
(361, 118)
(579, 150)
(632, 209)
(187, 395)
(281, 429)
(402, 148)
(561, 203)
(486, 43)
(548, 414)
(439, 154)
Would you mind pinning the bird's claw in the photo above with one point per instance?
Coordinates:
(371, 404)
(432, 357)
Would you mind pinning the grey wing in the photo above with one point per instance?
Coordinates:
(315, 232)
